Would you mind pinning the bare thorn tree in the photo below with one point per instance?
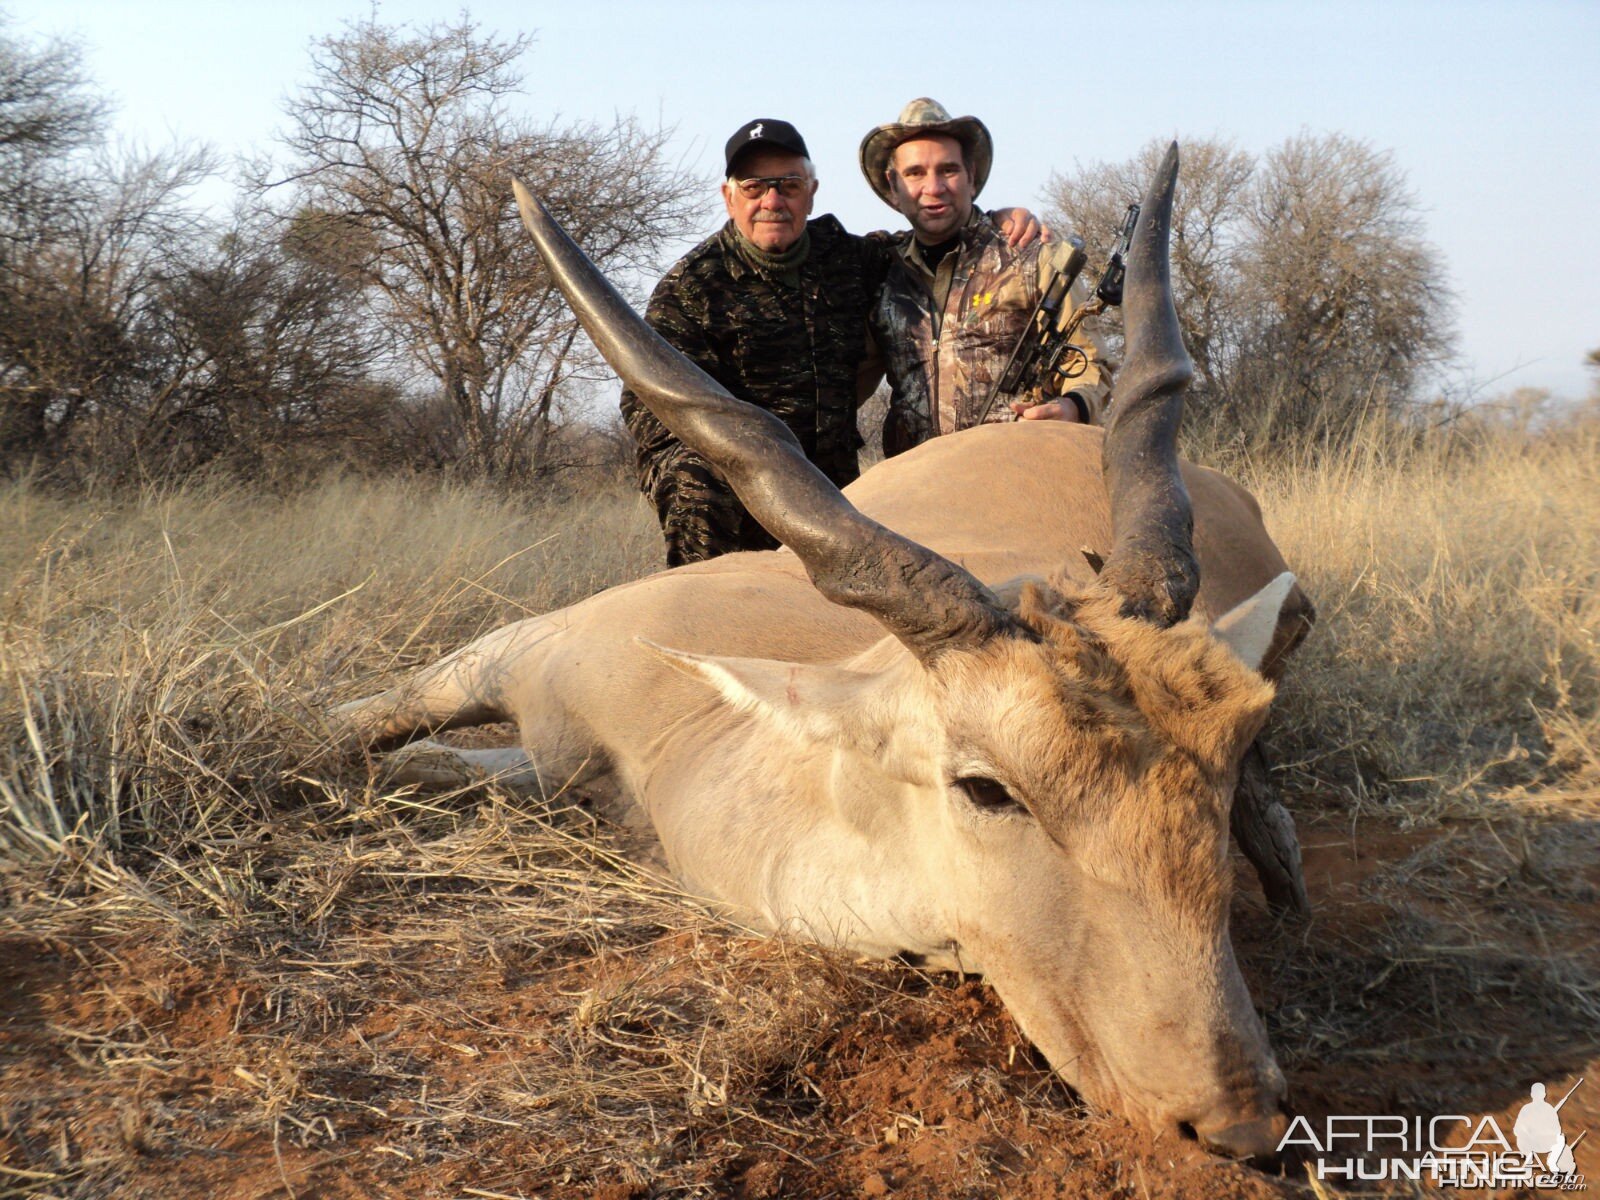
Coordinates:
(47, 115)
(258, 360)
(401, 152)
(1307, 293)
(81, 284)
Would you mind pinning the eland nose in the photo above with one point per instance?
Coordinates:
(1256, 1141)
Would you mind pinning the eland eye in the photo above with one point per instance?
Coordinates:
(988, 794)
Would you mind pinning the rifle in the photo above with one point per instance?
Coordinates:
(1568, 1096)
(1109, 291)
(1045, 352)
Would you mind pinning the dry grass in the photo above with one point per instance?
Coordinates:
(1457, 655)
(165, 662)
(425, 973)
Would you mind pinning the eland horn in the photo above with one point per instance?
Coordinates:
(1151, 565)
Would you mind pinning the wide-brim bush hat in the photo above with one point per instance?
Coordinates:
(924, 118)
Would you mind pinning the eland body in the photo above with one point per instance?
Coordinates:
(955, 741)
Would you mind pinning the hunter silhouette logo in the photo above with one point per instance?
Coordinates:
(1538, 1131)
(1379, 1148)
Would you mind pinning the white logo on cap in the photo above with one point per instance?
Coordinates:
(756, 132)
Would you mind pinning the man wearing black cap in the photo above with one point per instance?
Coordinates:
(774, 307)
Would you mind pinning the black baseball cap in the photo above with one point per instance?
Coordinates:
(763, 131)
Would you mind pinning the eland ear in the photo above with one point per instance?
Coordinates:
(1248, 628)
(883, 714)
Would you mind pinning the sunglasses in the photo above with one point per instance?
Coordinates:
(790, 187)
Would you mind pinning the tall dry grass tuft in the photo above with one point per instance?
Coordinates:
(164, 664)
(1457, 574)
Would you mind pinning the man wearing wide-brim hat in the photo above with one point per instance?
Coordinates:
(957, 297)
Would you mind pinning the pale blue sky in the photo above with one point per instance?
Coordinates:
(1493, 110)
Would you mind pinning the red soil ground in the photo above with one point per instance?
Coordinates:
(121, 1061)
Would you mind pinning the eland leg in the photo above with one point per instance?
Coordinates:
(435, 765)
(1265, 832)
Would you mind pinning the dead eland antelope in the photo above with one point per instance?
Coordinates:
(1029, 779)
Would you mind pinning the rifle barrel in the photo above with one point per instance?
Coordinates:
(1568, 1096)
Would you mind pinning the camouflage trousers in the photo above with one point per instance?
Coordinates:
(700, 516)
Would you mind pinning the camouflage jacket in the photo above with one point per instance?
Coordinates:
(796, 352)
(946, 335)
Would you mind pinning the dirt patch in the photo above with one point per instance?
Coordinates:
(420, 1028)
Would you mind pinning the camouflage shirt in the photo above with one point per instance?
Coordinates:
(946, 334)
(795, 351)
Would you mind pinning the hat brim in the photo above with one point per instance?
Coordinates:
(878, 147)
